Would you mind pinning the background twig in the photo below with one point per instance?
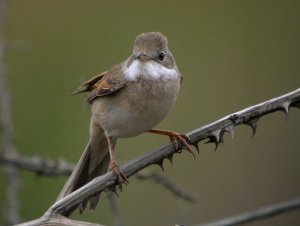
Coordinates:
(114, 208)
(50, 168)
(12, 175)
(166, 183)
(39, 165)
(258, 214)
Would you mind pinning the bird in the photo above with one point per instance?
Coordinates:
(129, 99)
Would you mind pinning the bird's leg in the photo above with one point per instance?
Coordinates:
(114, 167)
(175, 138)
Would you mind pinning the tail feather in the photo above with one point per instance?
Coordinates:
(93, 162)
(97, 172)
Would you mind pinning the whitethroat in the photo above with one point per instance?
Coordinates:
(129, 99)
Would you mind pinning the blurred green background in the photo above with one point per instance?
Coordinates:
(232, 54)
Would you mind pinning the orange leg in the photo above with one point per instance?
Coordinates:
(114, 167)
(175, 138)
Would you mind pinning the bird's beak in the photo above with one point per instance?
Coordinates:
(142, 56)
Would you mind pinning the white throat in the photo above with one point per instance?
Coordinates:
(149, 70)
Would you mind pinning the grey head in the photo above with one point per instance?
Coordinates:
(153, 46)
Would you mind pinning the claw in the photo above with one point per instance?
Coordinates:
(185, 140)
(175, 138)
(120, 176)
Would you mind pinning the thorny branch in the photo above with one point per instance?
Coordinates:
(214, 132)
(11, 173)
(258, 214)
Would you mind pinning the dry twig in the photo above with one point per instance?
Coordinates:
(258, 214)
(51, 168)
(36, 164)
(166, 183)
(11, 173)
(114, 209)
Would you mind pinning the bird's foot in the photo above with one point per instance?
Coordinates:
(177, 138)
(120, 176)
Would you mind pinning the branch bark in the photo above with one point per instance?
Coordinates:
(214, 132)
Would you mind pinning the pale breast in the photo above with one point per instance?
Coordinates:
(138, 107)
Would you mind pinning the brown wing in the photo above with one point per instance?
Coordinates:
(88, 85)
(107, 85)
(103, 84)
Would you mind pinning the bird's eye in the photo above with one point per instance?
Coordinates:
(161, 55)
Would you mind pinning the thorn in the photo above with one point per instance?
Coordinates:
(212, 139)
(230, 130)
(217, 145)
(161, 165)
(170, 158)
(216, 134)
(286, 106)
(285, 109)
(221, 137)
(253, 124)
(215, 138)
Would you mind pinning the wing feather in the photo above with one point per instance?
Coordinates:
(103, 84)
